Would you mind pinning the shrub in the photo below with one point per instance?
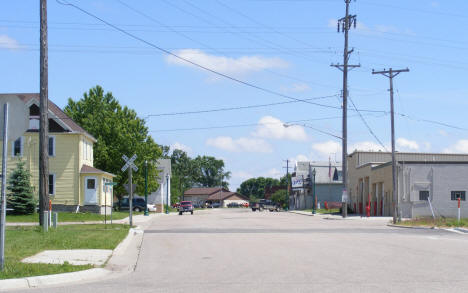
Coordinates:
(20, 197)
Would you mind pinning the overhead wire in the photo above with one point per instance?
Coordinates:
(249, 84)
(367, 125)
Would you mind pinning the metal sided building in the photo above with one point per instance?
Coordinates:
(426, 183)
(328, 184)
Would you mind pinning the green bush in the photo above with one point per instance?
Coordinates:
(20, 197)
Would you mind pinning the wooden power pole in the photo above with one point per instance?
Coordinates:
(391, 74)
(44, 119)
(344, 25)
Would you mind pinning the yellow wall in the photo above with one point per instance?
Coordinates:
(65, 164)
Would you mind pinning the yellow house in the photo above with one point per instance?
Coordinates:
(74, 184)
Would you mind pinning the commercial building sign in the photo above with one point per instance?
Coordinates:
(297, 182)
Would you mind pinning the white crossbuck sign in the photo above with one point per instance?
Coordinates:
(129, 163)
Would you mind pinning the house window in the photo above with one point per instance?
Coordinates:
(423, 195)
(52, 146)
(34, 122)
(91, 184)
(455, 195)
(51, 184)
(17, 150)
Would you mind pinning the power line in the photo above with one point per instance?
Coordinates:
(367, 125)
(234, 108)
(192, 62)
(248, 125)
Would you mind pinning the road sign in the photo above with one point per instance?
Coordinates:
(133, 188)
(129, 163)
(18, 116)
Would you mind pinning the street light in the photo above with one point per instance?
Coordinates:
(146, 187)
(313, 191)
(167, 193)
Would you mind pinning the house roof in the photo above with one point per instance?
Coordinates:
(225, 195)
(91, 170)
(203, 190)
(60, 116)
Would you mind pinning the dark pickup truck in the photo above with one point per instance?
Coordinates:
(264, 204)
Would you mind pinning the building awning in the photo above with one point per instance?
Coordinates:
(91, 170)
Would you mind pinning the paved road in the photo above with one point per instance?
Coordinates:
(241, 251)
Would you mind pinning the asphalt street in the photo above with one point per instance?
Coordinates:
(237, 250)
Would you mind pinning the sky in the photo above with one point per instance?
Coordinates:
(268, 52)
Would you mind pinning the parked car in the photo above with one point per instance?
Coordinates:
(175, 205)
(245, 205)
(138, 204)
(233, 205)
(215, 205)
(265, 204)
(196, 205)
(185, 207)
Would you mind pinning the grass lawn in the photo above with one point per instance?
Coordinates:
(440, 222)
(69, 217)
(324, 211)
(21, 242)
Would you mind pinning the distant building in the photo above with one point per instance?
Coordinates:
(421, 177)
(328, 184)
(202, 195)
(162, 196)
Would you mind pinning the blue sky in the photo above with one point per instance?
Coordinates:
(284, 46)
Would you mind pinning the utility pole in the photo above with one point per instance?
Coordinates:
(391, 74)
(287, 183)
(344, 24)
(44, 119)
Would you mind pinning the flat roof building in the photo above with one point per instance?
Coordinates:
(421, 177)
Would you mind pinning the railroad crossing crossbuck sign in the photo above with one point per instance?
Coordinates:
(129, 163)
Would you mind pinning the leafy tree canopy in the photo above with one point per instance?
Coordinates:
(202, 171)
(281, 197)
(119, 131)
(256, 187)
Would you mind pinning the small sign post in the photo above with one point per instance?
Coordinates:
(111, 184)
(130, 166)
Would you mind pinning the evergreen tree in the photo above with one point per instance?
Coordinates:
(20, 197)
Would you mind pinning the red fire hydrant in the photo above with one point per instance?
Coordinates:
(368, 210)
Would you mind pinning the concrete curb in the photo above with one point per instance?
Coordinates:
(413, 227)
(301, 213)
(123, 260)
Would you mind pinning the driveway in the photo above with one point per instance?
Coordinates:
(237, 250)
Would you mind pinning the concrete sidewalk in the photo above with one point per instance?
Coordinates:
(339, 217)
(122, 261)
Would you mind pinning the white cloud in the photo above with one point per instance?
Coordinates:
(366, 146)
(242, 175)
(326, 148)
(9, 43)
(242, 144)
(180, 146)
(272, 127)
(405, 144)
(460, 147)
(273, 173)
(296, 88)
(227, 65)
